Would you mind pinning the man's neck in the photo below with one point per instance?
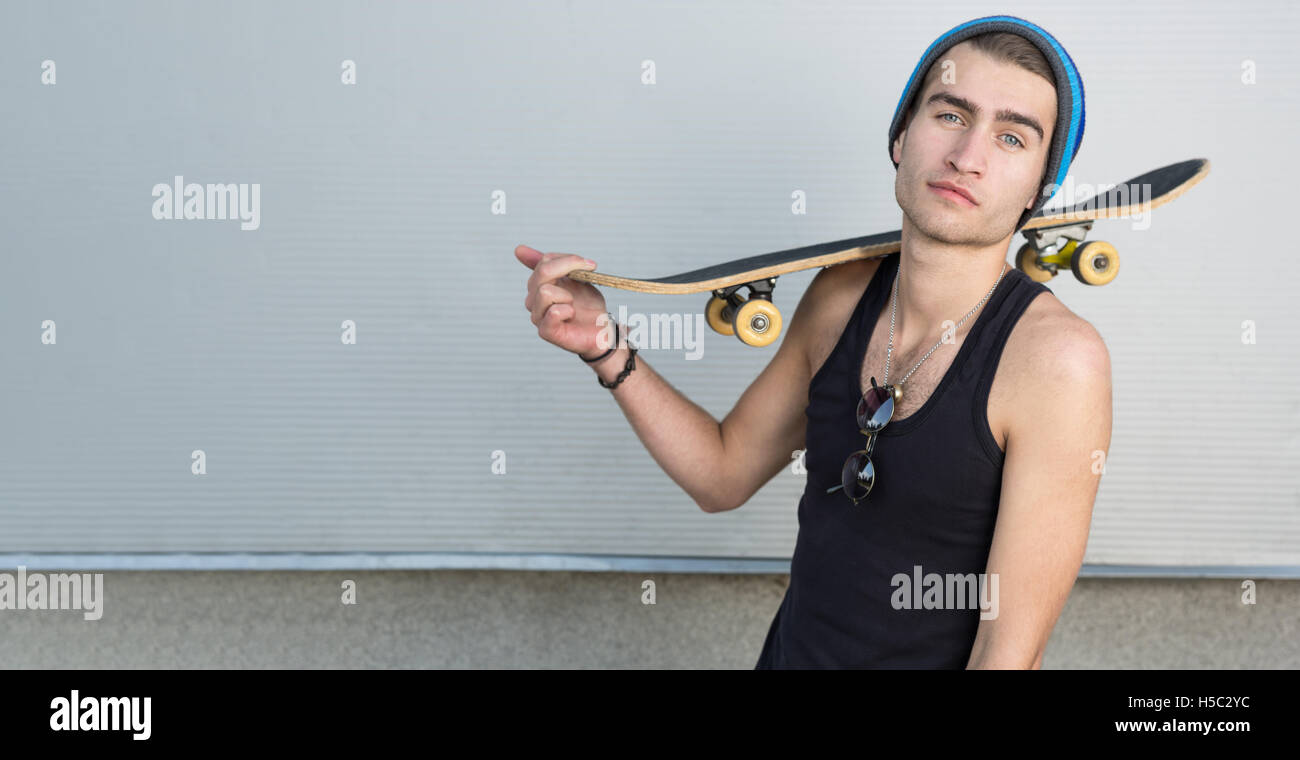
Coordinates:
(938, 282)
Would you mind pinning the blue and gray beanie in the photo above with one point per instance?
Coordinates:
(1069, 93)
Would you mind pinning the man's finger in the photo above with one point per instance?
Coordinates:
(559, 266)
(529, 257)
(547, 296)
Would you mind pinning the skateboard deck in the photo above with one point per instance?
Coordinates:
(1055, 239)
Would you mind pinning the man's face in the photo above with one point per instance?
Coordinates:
(998, 159)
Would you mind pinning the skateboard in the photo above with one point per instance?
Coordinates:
(1055, 240)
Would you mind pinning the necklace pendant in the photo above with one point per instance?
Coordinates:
(895, 390)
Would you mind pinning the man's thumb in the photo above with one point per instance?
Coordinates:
(529, 256)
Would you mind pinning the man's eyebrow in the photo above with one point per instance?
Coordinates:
(1004, 115)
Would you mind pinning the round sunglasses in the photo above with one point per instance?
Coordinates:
(874, 412)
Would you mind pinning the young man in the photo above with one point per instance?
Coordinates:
(985, 472)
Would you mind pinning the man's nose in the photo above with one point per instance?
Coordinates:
(969, 154)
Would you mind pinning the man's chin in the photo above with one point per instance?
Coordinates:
(947, 231)
(951, 230)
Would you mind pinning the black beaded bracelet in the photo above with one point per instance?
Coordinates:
(627, 369)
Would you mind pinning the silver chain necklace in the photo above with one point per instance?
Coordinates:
(898, 389)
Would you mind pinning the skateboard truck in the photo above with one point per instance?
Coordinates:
(754, 320)
(1093, 263)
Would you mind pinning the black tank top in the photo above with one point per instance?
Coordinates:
(933, 505)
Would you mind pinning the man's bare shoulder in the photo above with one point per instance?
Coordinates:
(828, 303)
(1050, 331)
(1049, 341)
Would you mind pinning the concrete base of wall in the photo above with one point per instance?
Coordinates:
(509, 619)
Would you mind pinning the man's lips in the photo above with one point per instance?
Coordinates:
(952, 192)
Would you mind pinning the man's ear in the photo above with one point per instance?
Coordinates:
(897, 151)
(1042, 181)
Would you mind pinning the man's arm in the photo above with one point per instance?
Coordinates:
(766, 426)
(1049, 482)
(722, 464)
(718, 464)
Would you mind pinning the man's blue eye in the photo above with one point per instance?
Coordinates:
(1018, 144)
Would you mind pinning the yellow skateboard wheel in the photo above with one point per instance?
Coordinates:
(757, 322)
(713, 315)
(1027, 262)
(1095, 262)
